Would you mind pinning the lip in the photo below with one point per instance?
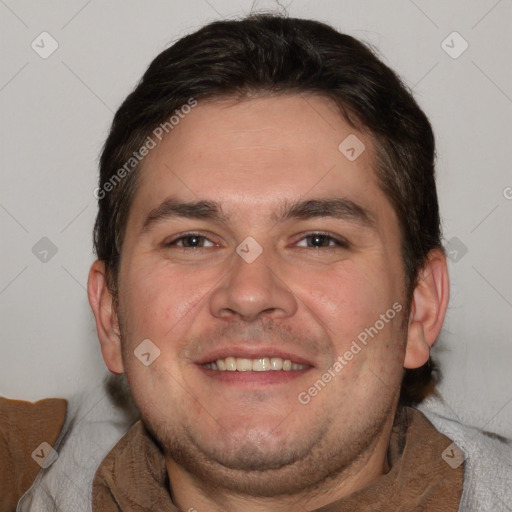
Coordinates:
(253, 352)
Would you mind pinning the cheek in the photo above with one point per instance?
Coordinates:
(348, 304)
(347, 301)
(156, 298)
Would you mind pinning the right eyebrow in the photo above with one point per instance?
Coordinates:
(171, 208)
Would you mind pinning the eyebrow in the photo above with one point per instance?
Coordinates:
(172, 208)
(337, 207)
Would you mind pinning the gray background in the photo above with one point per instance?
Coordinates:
(56, 113)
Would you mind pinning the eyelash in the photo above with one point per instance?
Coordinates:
(340, 242)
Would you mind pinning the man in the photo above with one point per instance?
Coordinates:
(270, 280)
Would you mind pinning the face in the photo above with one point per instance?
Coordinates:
(291, 257)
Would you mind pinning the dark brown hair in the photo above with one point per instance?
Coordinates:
(273, 54)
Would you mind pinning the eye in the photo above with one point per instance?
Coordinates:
(190, 241)
(319, 240)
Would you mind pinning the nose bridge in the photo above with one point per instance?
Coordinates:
(253, 286)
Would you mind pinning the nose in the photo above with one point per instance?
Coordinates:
(253, 290)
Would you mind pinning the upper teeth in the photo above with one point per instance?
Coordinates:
(261, 364)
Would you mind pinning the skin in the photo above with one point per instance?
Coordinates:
(253, 446)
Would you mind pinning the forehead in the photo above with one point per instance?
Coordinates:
(255, 154)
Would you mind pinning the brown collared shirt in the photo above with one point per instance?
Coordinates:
(133, 476)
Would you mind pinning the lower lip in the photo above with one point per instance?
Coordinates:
(254, 378)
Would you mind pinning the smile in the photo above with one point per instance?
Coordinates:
(261, 364)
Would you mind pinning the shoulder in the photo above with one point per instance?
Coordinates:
(28, 431)
(487, 459)
(93, 424)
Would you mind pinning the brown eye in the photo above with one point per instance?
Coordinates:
(319, 240)
(190, 241)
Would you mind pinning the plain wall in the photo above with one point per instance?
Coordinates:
(56, 112)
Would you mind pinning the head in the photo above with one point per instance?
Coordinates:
(299, 137)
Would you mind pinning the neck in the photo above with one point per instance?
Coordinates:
(190, 493)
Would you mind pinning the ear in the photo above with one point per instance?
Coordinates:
(428, 309)
(107, 325)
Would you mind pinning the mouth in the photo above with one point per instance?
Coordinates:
(252, 367)
(259, 364)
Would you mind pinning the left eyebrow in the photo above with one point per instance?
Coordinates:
(336, 207)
